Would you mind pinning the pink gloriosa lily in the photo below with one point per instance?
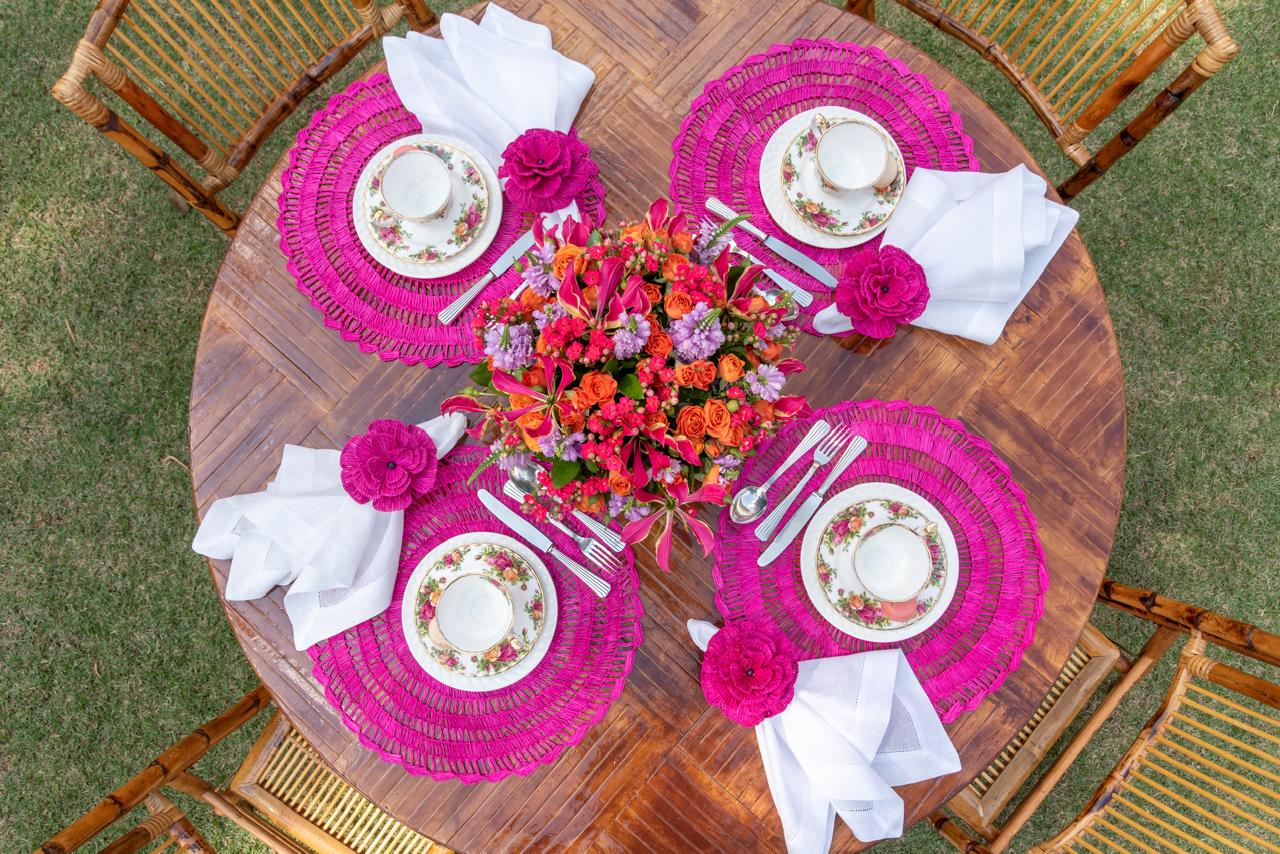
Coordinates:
(559, 376)
(610, 303)
(680, 504)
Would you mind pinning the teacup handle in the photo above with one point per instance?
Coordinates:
(820, 123)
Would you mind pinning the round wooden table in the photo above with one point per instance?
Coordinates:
(663, 771)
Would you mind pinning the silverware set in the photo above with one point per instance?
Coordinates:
(513, 254)
(594, 551)
(773, 244)
(838, 446)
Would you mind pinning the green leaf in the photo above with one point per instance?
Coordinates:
(611, 366)
(563, 471)
(488, 461)
(630, 386)
(482, 376)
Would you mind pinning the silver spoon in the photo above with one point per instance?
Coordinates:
(525, 476)
(754, 500)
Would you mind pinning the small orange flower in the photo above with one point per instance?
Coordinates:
(691, 421)
(659, 344)
(718, 418)
(530, 441)
(685, 375)
(535, 377)
(764, 409)
(730, 368)
(704, 372)
(520, 401)
(620, 484)
(677, 304)
(734, 439)
(772, 352)
(598, 387)
(531, 419)
(713, 475)
(713, 449)
(653, 292)
(673, 266)
(682, 241)
(564, 255)
(656, 419)
(636, 232)
(591, 504)
(530, 299)
(573, 420)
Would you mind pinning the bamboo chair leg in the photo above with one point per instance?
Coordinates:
(1152, 651)
(864, 8)
(418, 15)
(954, 834)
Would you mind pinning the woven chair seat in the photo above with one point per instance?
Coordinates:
(284, 779)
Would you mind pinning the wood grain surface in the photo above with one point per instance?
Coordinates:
(662, 771)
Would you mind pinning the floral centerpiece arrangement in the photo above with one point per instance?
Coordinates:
(637, 369)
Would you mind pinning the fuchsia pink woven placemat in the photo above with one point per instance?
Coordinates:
(397, 710)
(717, 151)
(980, 639)
(381, 311)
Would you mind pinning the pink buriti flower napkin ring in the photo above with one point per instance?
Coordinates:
(546, 169)
(880, 288)
(390, 465)
(748, 671)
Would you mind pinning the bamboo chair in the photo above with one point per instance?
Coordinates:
(283, 795)
(215, 76)
(1076, 61)
(1204, 773)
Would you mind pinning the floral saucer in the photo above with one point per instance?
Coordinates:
(800, 211)
(522, 577)
(842, 214)
(833, 585)
(436, 247)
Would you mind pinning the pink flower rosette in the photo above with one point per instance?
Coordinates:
(390, 465)
(546, 169)
(881, 288)
(748, 672)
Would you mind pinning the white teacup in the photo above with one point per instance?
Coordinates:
(416, 185)
(474, 612)
(893, 563)
(853, 155)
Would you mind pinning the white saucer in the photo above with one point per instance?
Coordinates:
(465, 676)
(484, 188)
(868, 501)
(774, 195)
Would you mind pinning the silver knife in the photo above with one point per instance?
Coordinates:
(810, 506)
(542, 542)
(795, 256)
(504, 262)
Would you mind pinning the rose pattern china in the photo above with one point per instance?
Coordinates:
(833, 585)
(849, 213)
(522, 578)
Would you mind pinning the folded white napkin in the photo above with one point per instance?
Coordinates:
(857, 726)
(338, 558)
(487, 83)
(983, 240)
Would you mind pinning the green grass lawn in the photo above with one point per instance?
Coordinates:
(111, 639)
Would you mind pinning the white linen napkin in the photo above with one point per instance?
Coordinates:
(983, 240)
(857, 726)
(486, 83)
(337, 557)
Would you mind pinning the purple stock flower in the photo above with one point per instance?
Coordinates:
(697, 335)
(537, 275)
(549, 313)
(631, 336)
(706, 246)
(510, 345)
(560, 446)
(766, 382)
(389, 465)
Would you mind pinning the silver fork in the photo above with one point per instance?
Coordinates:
(593, 551)
(822, 455)
(799, 294)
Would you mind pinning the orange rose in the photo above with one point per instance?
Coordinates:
(734, 438)
(764, 409)
(520, 401)
(772, 352)
(620, 484)
(730, 368)
(698, 445)
(717, 415)
(692, 422)
(592, 504)
(535, 377)
(530, 299)
(713, 449)
(659, 344)
(653, 292)
(713, 475)
(531, 419)
(599, 388)
(656, 419)
(635, 232)
(704, 372)
(677, 304)
(564, 255)
(682, 241)
(673, 266)
(685, 375)
(531, 441)
(573, 421)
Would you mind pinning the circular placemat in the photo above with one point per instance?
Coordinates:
(385, 697)
(980, 639)
(381, 311)
(717, 151)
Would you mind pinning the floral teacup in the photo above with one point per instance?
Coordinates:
(893, 563)
(852, 155)
(416, 184)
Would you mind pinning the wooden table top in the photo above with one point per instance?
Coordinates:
(664, 771)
